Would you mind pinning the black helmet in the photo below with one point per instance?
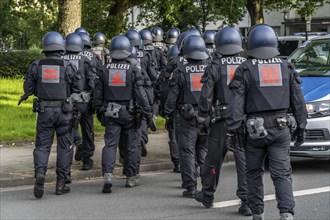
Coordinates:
(157, 34)
(172, 35)
(228, 41)
(74, 43)
(99, 38)
(120, 47)
(134, 37)
(81, 30)
(146, 36)
(195, 48)
(183, 36)
(209, 36)
(262, 42)
(173, 52)
(53, 41)
(195, 31)
(86, 39)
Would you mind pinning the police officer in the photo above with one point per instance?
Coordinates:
(157, 38)
(264, 88)
(83, 97)
(185, 88)
(159, 61)
(173, 53)
(51, 80)
(172, 123)
(99, 41)
(119, 95)
(149, 78)
(213, 102)
(209, 37)
(81, 150)
(171, 37)
(87, 52)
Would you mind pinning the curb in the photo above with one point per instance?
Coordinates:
(94, 173)
(81, 175)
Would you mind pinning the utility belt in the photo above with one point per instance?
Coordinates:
(83, 97)
(257, 124)
(40, 105)
(112, 109)
(219, 112)
(188, 111)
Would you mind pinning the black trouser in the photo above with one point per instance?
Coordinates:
(192, 141)
(86, 121)
(144, 130)
(172, 141)
(50, 121)
(277, 146)
(124, 127)
(214, 160)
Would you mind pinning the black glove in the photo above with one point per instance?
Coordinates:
(169, 124)
(23, 98)
(299, 137)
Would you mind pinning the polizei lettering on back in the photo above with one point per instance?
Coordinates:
(232, 60)
(266, 61)
(195, 68)
(72, 57)
(118, 66)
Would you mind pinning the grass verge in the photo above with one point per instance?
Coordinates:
(18, 123)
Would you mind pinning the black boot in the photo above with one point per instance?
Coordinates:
(206, 201)
(87, 165)
(176, 168)
(68, 178)
(39, 185)
(79, 152)
(144, 151)
(61, 188)
(107, 180)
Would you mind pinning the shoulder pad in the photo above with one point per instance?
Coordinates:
(132, 61)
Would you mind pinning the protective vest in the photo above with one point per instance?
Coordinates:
(160, 45)
(141, 58)
(100, 53)
(118, 81)
(192, 86)
(79, 62)
(51, 84)
(226, 68)
(152, 50)
(269, 85)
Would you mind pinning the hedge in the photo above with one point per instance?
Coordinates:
(15, 64)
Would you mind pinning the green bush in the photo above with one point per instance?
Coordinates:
(15, 64)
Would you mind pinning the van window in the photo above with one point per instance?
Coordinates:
(287, 47)
(312, 58)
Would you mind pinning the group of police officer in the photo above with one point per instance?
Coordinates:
(213, 100)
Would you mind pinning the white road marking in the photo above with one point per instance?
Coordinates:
(272, 197)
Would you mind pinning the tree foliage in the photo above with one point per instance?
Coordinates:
(187, 13)
(27, 20)
(24, 22)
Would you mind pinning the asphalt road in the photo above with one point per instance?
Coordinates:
(159, 197)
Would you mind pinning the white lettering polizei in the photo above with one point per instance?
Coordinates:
(195, 68)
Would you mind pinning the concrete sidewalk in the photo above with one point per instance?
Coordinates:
(17, 169)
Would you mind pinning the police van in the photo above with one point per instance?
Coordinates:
(312, 61)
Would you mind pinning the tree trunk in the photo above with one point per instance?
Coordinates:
(254, 8)
(69, 16)
(117, 15)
